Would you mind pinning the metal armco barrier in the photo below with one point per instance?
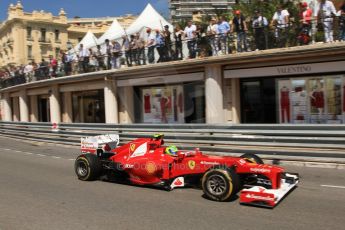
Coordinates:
(319, 143)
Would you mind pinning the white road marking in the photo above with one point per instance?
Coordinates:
(71, 159)
(332, 186)
(17, 151)
(41, 155)
(8, 149)
(27, 153)
(55, 157)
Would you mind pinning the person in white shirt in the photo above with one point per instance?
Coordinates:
(28, 71)
(281, 22)
(150, 44)
(324, 11)
(212, 36)
(84, 58)
(106, 52)
(190, 35)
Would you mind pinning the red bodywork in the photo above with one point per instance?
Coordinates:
(146, 163)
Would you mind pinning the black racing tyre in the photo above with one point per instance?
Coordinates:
(87, 167)
(220, 184)
(252, 158)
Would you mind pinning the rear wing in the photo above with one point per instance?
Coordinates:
(99, 144)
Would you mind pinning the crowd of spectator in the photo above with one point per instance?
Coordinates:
(218, 38)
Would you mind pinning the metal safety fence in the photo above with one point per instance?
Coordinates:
(315, 143)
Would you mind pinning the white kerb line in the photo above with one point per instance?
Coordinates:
(332, 186)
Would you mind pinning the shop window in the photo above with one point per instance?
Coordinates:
(170, 104)
(88, 107)
(315, 100)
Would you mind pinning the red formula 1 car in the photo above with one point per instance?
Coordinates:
(144, 162)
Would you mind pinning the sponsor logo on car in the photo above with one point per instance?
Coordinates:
(209, 163)
(260, 170)
(129, 166)
(191, 164)
(257, 197)
(150, 167)
(132, 147)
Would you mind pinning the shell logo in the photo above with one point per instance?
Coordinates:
(150, 167)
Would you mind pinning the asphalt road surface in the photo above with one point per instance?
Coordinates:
(39, 190)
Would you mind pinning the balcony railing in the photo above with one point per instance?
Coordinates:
(29, 38)
(44, 40)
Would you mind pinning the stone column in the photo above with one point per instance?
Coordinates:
(126, 113)
(214, 94)
(54, 100)
(15, 107)
(67, 114)
(33, 108)
(236, 103)
(110, 101)
(23, 106)
(6, 106)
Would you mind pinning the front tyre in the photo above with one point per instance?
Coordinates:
(87, 167)
(220, 184)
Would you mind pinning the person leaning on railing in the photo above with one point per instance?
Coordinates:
(259, 26)
(212, 31)
(223, 33)
(190, 36)
(239, 26)
(178, 34)
(280, 23)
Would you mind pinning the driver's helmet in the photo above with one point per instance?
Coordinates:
(171, 150)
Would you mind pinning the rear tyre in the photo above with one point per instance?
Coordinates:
(252, 158)
(87, 167)
(220, 184)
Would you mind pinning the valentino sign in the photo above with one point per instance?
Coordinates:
(324, 67)
(294, 69)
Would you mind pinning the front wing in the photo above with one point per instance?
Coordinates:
(260, 196)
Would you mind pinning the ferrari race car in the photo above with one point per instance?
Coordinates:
(146, 161)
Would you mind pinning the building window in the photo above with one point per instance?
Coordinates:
(28, 32)
(43, 35)
(29, 52)
(57, 52)
(57, 35)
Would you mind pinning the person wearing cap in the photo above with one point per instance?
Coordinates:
(190, 35)
(325, 11)
(280, 21)
(223, 30)
(240, 27)
(212, 31)
(150, 44)
(259, 25)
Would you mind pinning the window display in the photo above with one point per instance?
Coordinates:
(315, 100)
(299, 102)
(163, 104)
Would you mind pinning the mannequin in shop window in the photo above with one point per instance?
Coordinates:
(165, 104)
(285, 104)
(317, 100)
